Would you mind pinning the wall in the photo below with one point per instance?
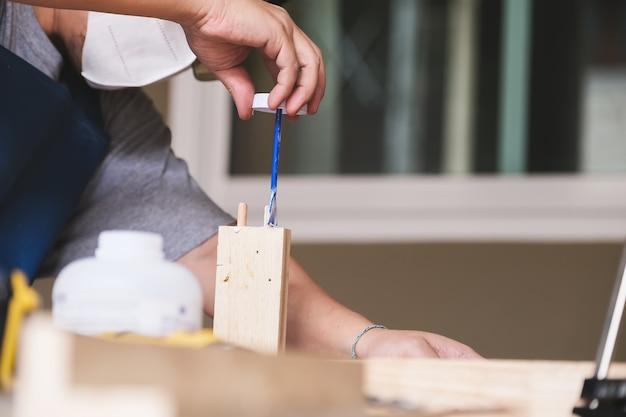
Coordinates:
(505, 300)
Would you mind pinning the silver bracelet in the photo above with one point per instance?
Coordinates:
(360, 335)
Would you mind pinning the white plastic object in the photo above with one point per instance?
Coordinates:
(132, 51)
(127, 287)
(260, 103)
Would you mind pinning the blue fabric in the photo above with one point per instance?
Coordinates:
(52, 141)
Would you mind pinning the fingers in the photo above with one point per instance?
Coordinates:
(298, 67)
(450, 349)
(291, 57)
(456, 350)
(282, 52)
(420, 349)
(271, 67)
(273, 70)
(314, 103)
(308, 79)
(238, 83)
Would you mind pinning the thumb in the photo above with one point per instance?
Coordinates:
(239, 84)
(449, 348)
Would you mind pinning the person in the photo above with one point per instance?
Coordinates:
(141, 185)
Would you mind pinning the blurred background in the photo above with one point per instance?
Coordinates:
(456, 87)
(447, 93)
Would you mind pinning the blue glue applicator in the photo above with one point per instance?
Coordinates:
(260, 103)
(278, 122)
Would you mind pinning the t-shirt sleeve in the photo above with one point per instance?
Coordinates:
(141, 185)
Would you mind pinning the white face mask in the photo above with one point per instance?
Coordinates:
(129, 51)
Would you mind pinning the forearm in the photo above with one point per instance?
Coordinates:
(315, 322)
(175, 10)
(65, 21)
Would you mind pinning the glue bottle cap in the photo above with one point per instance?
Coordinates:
(260, 103)
(123, 244)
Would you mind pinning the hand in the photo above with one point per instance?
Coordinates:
(411, 344)
(223, 35)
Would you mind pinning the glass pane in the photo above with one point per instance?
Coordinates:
(604, 135)
(455, 87)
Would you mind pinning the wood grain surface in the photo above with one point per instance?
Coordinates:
(251, 287)
(494, 388)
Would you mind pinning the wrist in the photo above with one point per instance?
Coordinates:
(364, 339)
(196, 13)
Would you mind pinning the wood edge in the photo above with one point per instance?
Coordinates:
(284, 290)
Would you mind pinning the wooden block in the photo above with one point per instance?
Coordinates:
(495, 388)
(251, 287)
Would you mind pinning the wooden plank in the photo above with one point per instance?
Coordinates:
(222, 381)
(495, 388)
(251, 287)
(96, 377)
(44, 387)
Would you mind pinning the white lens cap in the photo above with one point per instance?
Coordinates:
(260, 104)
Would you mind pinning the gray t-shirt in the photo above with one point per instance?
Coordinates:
(141, 185)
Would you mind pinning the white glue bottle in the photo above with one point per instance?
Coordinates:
(128, 286)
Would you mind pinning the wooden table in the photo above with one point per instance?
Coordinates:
(85, 376)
